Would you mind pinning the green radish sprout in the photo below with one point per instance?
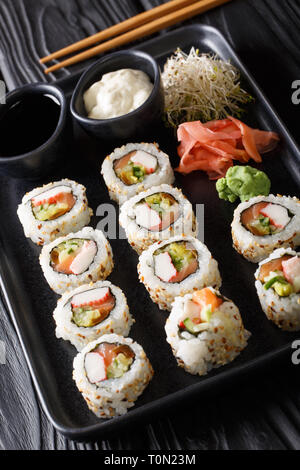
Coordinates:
(201, 87)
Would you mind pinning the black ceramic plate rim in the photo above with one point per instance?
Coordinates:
(7, 279)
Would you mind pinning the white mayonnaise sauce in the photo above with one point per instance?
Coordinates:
(117, 93)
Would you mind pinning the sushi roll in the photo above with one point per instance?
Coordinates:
(76, 259)
(54, 210)
(176, 267)
(265, 223)
(278, 288)
(111, 373)
(157, 214)
(90, 311)
(205, 330)
(134, 168)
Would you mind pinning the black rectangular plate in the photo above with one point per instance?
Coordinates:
(31, 302)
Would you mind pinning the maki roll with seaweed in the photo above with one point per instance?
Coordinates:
(265, 223)
(205, 330)
(90, 311)
(157, 214)
(176, 267)
(76, 259)
(54, 210)
(111, 373)
(278, 288)
(134, 168)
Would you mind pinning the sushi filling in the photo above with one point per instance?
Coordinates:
(282, 275)
(92, 307)
(108, 361)
(73, 256)
(157, 211)
(198, 311)
(265, 218)
(175, 262)
(53, 203)
(135, 166)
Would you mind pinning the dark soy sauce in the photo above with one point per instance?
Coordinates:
(28, 124)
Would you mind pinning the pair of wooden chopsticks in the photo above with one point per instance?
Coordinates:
(134, 28)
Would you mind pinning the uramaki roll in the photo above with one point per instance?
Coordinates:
(111, 373)
(278, 288)
(176, 267)
(205, 330)
(90, 311)
(157, 214)
(133, 168)
(265, 223)
(76, 259)
(54, 210)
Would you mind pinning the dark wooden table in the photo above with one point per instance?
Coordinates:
(262, 411)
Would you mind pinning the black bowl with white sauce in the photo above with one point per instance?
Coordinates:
(120, 96)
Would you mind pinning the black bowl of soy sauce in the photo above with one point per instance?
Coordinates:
(35, 132)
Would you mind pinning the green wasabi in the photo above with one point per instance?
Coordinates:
(244, 182)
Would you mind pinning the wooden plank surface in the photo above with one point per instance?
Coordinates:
(263, 411)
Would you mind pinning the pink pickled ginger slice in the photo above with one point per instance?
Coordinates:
(213, 146)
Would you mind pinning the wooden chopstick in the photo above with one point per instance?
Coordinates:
(120, 28)
(145, 30)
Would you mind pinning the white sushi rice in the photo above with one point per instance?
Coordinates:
(99, 269)
(141, 238)
(120, 192)
(113, 397)
(164, 293)
(119, 321)
(220, 344)
(42, 232)
(255, 248)
(283, 311)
